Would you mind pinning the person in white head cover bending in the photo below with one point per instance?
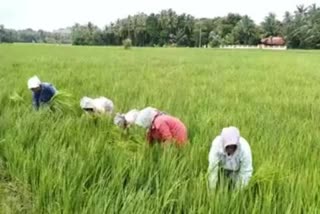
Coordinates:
(230, 157)
(100, 105)
(42, 92)
(125, 120)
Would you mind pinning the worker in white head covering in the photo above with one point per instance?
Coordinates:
(99, 105)
(146, 116)
(41, 92)
(230, 156)
(127, 119)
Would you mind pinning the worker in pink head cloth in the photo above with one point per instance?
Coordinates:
(162, 128)
(230, 157)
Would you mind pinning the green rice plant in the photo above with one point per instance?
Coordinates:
(61, 160)
(62, 102)
(16, 98)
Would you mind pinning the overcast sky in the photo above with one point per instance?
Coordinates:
(53, 14)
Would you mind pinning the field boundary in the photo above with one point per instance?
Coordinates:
(264, 47)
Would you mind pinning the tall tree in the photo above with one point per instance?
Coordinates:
(301, 10)
(214, 39)
(168, 20)
(152, 30)
(200, 33)
(2, 33)
(140, 23)
(245, 32)
(226, 24)
(271, 26)
(303, 29)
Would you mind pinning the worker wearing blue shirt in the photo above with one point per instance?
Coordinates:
(41, 92)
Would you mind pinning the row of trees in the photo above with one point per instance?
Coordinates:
(301, 29)
(62, 36)
(169, 28)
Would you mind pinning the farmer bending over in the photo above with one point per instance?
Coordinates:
(162, 128)
(99, 105)
(41, 92)
(230, 157)
(126, 120)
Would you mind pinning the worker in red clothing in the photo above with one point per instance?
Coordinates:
(162, 128)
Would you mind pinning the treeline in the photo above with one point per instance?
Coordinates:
(61, 36)
(300, 29)
(170, 29)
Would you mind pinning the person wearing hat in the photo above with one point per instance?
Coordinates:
(230, 157)
(162, 128)
(100, 105)
(41, 92)
(126, 120)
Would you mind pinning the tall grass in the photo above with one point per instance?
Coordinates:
(67, 162)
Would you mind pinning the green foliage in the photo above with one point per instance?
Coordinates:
(14, 198)
(225, 25)
(127, 43)
(215, 40)
(63, 102)
(271, 26)
(167, 28)
(73, 163)
(61, 36)
(16, 98)
(302, 30)
(245, 32)
(86, 35)
(171, 29)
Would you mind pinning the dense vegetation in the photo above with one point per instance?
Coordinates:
(66, 162)
(301, 29)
